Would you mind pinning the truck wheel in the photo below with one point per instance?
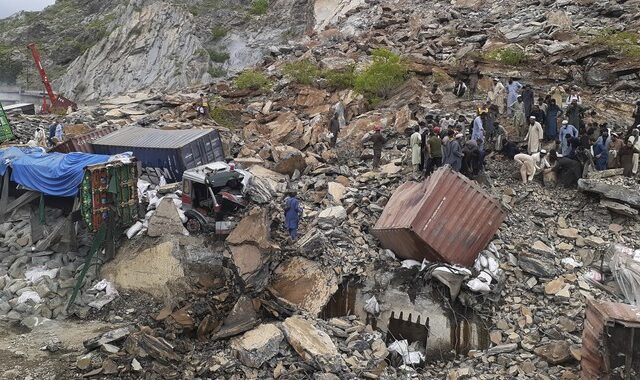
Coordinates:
(194, 225)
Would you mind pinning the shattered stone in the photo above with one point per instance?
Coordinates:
(258, 345)
(308, 341)
(555, 352)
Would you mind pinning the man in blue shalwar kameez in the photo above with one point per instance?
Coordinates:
(292, 214)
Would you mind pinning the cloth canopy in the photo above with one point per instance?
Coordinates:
(55, 174)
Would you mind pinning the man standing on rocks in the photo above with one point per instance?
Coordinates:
(519, 121)
(478, 127)
(574, 113)
(513, 89)
(414, 142)
(459, 88)
(454, 151)
(334, 129)
(473, 75)
(527, 99)
(292, 214)
(574, 95)
(634, 139)
(433, 151)
(600, 152)
(499, 95)
(378, 143)
(539, 114)
(551, 120)
(204, 103)
(534, 137)
(615, 147)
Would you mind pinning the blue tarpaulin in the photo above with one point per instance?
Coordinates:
(56, 174)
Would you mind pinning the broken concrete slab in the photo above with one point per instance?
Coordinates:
(149, 270)
(309, 342)
(166, 220)
(305, 284)
(253, 229)
(614, 192)
(258, 345)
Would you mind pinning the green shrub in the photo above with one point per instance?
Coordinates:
(252, 79)
(221, 116)
(217, 72)
(386, 73)
(340, 79)
(303, 72)
(259, 7)
(218, 56)
(508, 56)
(625, 43)
(218, 32)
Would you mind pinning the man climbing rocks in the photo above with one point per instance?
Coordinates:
(292, 214)
(378, 143)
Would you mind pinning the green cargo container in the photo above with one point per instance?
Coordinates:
(6, 133)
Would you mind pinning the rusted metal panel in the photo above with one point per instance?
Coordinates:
(446, 218)
(610, 341)
(82, 143)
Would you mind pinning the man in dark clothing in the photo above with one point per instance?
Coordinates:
(378, 143)
(568, 171)
(636, 114)
(424, 150)
(510, 149)
(527, 100)
(539, 114)
(334, 129)
(574, 113)
(471, 159)
(434, 151)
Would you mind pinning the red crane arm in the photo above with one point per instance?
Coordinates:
(43, 74)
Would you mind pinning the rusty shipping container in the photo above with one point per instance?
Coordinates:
(610, 341)
(82, 143)
(446, 218)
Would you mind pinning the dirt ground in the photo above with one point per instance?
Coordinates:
(48, 352)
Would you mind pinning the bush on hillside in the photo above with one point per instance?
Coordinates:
(386, 73)
(253, 80)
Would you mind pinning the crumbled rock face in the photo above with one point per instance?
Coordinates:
(166, 220)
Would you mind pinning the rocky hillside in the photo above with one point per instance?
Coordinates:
(125, 46)
(108, 48)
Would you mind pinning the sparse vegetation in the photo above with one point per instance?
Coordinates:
(253, 80)
(340, 79)
(218, 32)
(510, 56)
(259, 7)
(221, 116)
(217, 72)
(386, 73)
(218, 56)
(625, 43)
(10, 69)
(303, 72)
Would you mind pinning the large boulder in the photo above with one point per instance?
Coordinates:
(288, 159)
(258, 345)
(308, 341)
(305, 284)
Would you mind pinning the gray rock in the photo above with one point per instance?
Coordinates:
(614, 192)
(537, 266)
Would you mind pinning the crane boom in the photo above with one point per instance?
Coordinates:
(58, 102)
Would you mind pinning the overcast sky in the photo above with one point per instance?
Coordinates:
(9, 7)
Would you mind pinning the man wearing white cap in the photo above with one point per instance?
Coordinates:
(530, 164)
(534, 136)
(499, 95)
